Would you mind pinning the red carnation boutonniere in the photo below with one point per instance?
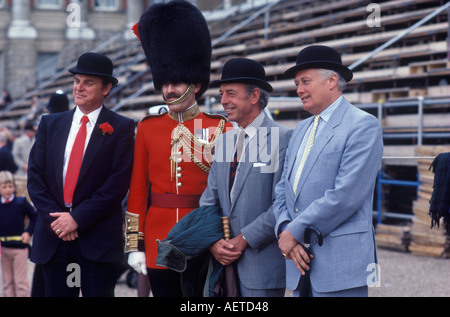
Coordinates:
(105, 128)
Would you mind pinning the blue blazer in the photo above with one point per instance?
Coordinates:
(261, 265)
(102, 184)
(335, 194)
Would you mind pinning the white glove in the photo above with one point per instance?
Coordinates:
(137, 261)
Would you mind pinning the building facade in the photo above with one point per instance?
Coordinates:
(38, 37)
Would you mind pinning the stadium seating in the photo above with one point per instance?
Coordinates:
(416, 65)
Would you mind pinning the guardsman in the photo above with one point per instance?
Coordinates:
(173, 151)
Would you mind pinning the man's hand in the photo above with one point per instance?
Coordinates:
(25, 237)
(286, 242)
(300, 258)
(293, 250)
(65, 227)
(239, 243)
(225, 252)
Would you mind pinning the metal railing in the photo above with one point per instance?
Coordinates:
(421, 103)
(380, 215)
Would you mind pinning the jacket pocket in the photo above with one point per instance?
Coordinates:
(350, 228)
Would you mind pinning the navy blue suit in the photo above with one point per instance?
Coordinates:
(102, 184)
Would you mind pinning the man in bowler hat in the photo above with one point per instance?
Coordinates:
(331, 186)
(58, 102)
(244, 187)
(173, 150)
(79, 173)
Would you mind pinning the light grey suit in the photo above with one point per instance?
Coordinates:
(335, 194)
(261, 265)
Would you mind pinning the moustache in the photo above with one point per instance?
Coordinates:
(172, 95)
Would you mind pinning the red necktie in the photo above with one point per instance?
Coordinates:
(76, 156)
(7, 201)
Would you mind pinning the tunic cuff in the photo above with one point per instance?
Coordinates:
(134, 240)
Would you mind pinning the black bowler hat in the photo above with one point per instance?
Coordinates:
(94, 64)
(243, 70)
(320, 56)
(58, 102)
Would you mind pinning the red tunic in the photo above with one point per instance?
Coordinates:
(154, 171)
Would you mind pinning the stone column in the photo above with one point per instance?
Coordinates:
(134, 12)
(21, 56)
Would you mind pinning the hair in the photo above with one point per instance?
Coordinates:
(263, 96)
(105, 82)
(6, 177)
(327, 73)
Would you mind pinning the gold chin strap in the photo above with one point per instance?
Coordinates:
(182, 98)
(190, 113)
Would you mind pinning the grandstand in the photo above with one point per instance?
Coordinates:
(406, 85)
(416, 65)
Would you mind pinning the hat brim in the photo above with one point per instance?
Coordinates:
(244, 80)
(112, 79)
(344, 71)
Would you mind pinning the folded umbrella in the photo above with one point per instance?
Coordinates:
(305, 281)
(228, 283)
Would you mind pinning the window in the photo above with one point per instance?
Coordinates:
(106, 5)
(49, 4)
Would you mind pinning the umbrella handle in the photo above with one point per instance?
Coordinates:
(310, 229)
(226, 228)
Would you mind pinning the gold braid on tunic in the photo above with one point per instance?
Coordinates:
(192, 146)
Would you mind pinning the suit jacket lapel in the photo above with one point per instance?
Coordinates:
(95, 143)
(295, 146)
(59, 146)
(325, 136)
(246, 166)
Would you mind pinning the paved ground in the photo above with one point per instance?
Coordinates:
(402, 275)
(407, 275)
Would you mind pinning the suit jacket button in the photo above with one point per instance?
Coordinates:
(296, 210)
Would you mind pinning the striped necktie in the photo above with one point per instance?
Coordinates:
(306, 151)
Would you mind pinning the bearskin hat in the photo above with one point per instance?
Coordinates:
(176, 41)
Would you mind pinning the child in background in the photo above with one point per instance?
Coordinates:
(14, 238)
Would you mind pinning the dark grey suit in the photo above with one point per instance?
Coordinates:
(261, 265)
